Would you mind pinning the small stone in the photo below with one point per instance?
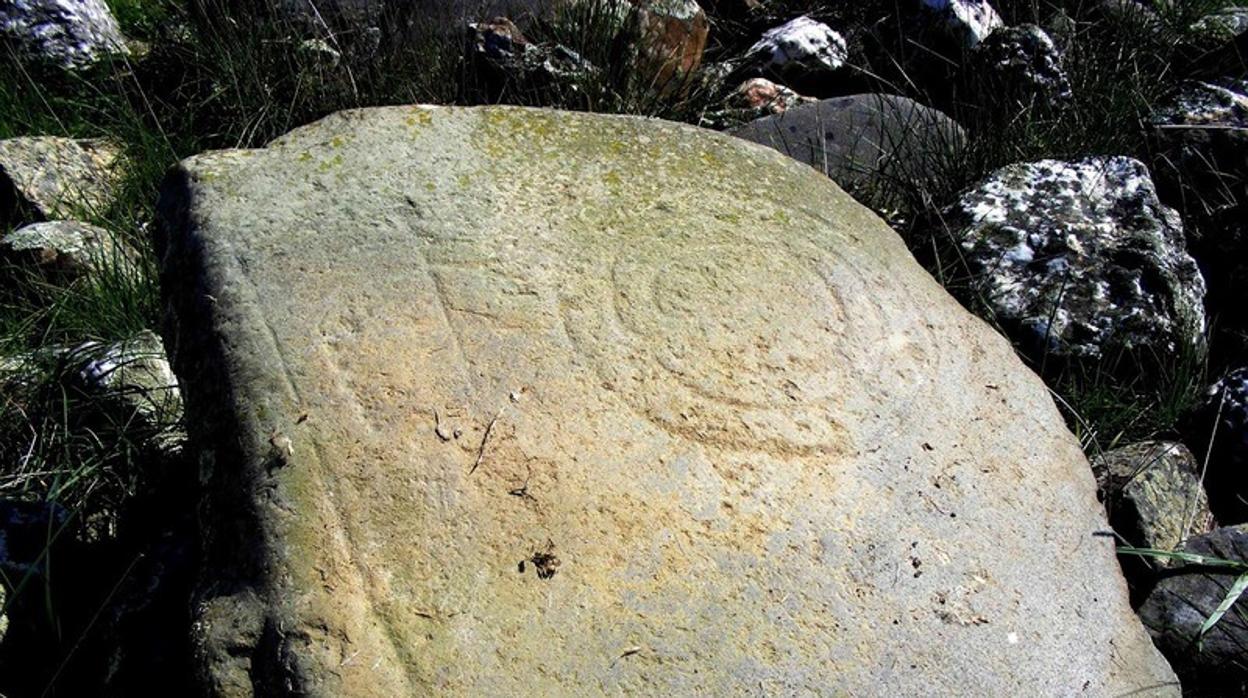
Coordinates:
(1079, 258)
(1223, 24)
(506, 59)
(136, 378)
(48, 177)
(764, 97)
(1183, 600)
(68, 33)
(968, 21)
(801, 49)
(1023, 65)
(67, 250)
(1152, 494)
(320, 50)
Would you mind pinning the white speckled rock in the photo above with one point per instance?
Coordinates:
(970, 21)
(502, 401)
(1080, 258)
(1223, 24)
(70, 33)
(801, 47)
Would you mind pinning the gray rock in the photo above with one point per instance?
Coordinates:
(801, 49)
(69, 33)
(1080, 258)
(25, 530)
(135, 377)
(48, 177)
(1181, 602)
(1152, 493)
(507, 58)
(1221, 425)
(1023, 65)
(676, 416)
(1203, 143)
(967, 21)
(881, 148)
(1224, 24)
(67, 250)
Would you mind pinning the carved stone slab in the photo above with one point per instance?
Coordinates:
(516, 402)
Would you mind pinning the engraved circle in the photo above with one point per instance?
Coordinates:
(732, 322)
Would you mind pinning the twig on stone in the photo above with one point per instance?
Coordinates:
(484, 439)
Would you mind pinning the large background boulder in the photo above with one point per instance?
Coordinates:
(511, 401)
(884, 149)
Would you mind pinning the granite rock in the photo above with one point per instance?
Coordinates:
(509, 401)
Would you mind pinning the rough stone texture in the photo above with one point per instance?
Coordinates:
(1079, 258)
(136, 377)
(672, 37)
(1224, 418)
(1203, 134)
(969, 21)
(49, 177)
(506, 58)
(752, 99)
(1152, 493)
(1224, 24)
(1179, 605)
(69, 33)
(66, 250)
(506, 401)
(879, 147)
(763, 97)
(1202, 139)
(799, 50)
(1023, 65)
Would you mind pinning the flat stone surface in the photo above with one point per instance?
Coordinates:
(502, 401)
